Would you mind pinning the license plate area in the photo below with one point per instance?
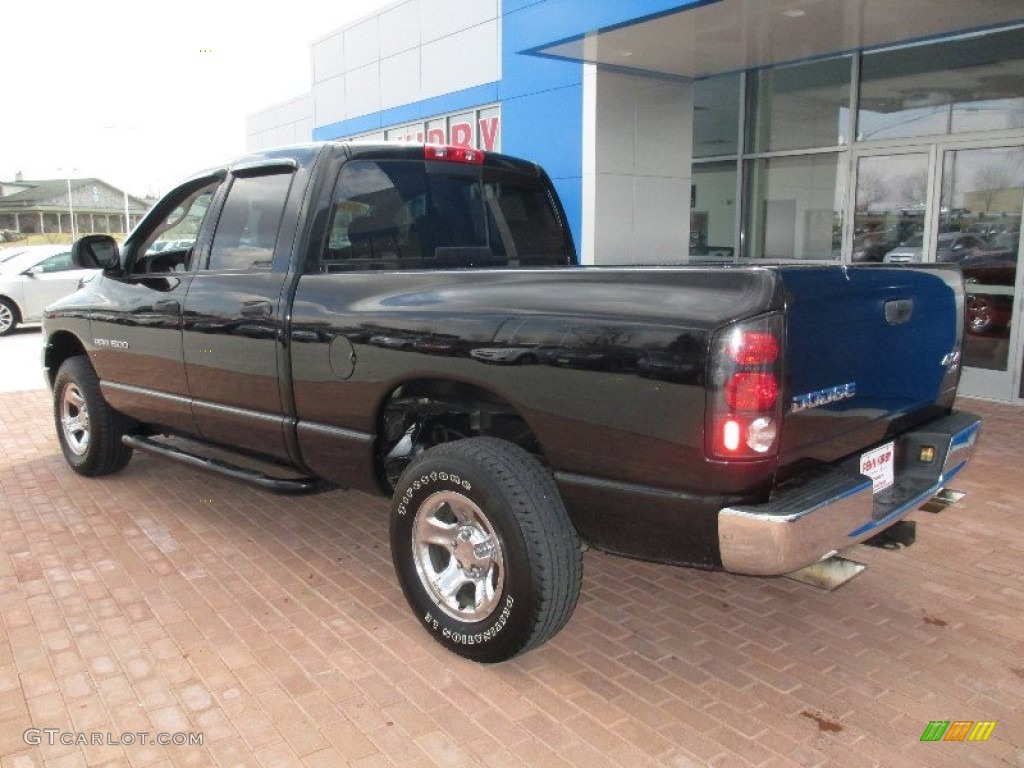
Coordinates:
(879, 464)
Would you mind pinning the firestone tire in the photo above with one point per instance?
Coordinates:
(88, 429)
(483, 548)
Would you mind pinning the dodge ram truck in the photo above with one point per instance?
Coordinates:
(412, 320)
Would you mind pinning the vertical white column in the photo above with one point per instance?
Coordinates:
(587, 223)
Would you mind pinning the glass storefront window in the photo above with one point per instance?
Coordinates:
(891, 199)
(800, 106)
(716, 115)
(713, 211)
(980, 215)
(958, 86)
(795, 206)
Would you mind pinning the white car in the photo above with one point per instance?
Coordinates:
(32, 280)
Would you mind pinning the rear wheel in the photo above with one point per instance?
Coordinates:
(88, 429)
(8, 317)
(484, 549)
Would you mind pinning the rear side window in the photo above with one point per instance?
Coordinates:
(408, 214)
(247, 230)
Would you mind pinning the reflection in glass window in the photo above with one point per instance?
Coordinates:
(892, 191)
(982, 198)
(713, 215)
(795, 206)
(248, 226)
(799, 106)
(971, 84)
(716, 114)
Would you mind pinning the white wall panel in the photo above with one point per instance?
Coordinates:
(289, 122)
(328, 57)
(362, 90)
(400, 28)
(661, 224)
(462, 60)
(616, 123)
(613, 230)
(329, 101)
(664, 113)
(640, 129)
(400, 79)
(441, 18)
(362, 44)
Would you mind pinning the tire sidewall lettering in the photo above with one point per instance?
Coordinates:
(459, 637)
(426, 480)
(450, 631)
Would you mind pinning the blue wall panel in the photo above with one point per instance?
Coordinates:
(542, 110)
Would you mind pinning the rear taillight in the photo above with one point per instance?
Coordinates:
(745, 390)
(454, 154)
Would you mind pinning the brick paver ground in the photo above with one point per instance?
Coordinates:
(164, 599)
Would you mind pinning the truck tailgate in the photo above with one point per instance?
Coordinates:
(870, 351)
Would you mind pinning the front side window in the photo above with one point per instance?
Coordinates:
(408, 214)
(249, 223)
(169, 247)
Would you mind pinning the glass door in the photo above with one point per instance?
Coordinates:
(978, 227)
(889, 206)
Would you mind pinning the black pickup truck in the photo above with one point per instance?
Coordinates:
(412, 321)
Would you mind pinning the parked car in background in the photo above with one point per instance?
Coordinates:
(952, 246)
(874, 245)
(6, 254)
(990, 275)
(32, 279)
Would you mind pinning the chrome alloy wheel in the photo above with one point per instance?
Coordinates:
(6, 317)
(74, 419)
(458, 556)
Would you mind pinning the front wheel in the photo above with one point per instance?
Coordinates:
(8, 317)
(88, 429)
(483, 548)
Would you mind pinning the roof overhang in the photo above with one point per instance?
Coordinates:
(729, 35)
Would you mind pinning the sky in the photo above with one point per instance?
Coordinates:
(142, 95)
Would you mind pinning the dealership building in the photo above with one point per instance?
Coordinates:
(721, 130)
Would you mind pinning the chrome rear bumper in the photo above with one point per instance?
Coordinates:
(831, 512)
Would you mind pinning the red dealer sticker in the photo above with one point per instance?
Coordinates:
(878, 465)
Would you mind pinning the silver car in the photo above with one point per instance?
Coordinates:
(950, 246)
(32, 280)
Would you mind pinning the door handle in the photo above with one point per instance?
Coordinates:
(257, 309)
(167, 307)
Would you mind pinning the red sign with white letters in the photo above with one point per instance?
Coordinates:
(460, 134)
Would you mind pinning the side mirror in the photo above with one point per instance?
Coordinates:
(96, 252)
(33, 271)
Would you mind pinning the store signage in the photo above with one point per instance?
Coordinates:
(460, 134)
